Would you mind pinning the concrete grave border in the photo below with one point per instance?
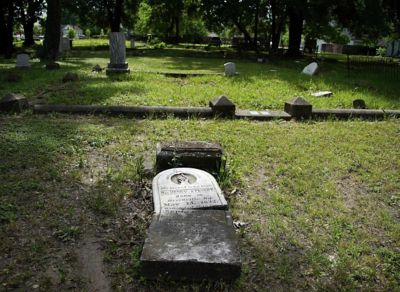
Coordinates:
(215, 110)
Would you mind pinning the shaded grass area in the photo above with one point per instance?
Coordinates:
(258, 86)
(320, 201)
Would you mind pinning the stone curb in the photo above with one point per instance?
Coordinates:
(130, 111)
(206, 112)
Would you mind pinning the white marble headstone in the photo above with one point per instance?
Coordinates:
(230, 69)
(23, 61)
(186, 188)
(311, 69)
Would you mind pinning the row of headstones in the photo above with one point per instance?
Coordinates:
(191, 235)
(118, 62)
(23, 59)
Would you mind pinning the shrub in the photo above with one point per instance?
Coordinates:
(71, 33)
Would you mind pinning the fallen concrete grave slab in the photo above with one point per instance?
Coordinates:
(191, 245)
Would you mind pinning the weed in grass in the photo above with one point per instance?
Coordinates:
(8, 213)
(103, 202)
(69, 233)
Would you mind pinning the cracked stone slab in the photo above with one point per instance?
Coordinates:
(191, 244)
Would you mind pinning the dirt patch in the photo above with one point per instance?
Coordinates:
(90, 259)
(352, 191)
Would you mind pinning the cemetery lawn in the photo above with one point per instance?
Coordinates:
(258, 86)
(318, 202)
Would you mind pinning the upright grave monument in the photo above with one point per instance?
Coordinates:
(118, 62)
(230, 69)
(23, 61)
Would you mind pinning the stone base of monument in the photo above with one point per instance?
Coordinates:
(191, 245)
(117, 68)
(197, 154)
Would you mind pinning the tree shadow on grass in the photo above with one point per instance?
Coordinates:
(42, 86)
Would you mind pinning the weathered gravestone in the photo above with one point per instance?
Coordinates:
(311, 69)
(133, 45)
(118, 62)
(198, 154)
(184, 242)
(23, 61)
(230, 69)
(191, 244)
(65, 44)
(186, 188)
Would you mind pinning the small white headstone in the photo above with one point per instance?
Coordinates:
(230, 69)
(186, 188)
(311, 69)
(23, 61)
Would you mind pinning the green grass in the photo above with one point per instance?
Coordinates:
(321, 199)
(259, 86)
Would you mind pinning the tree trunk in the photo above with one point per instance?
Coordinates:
(274, 35)
(256, 24)
(243, 30)
(28, 32)
(296, 18)
(3, 34)
(53, 29)
(9, 30)
(278, 21)
(116, 19)
(310, 44)
(177, 30)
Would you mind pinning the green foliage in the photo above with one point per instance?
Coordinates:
(88, 33)
(381, 52)
(71, 33)
(143, 22)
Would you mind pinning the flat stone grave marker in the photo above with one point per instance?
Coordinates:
(186, 188)
(311, 69)
(322, 93)
(191, 244)
(23, 61)
(230, 69)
